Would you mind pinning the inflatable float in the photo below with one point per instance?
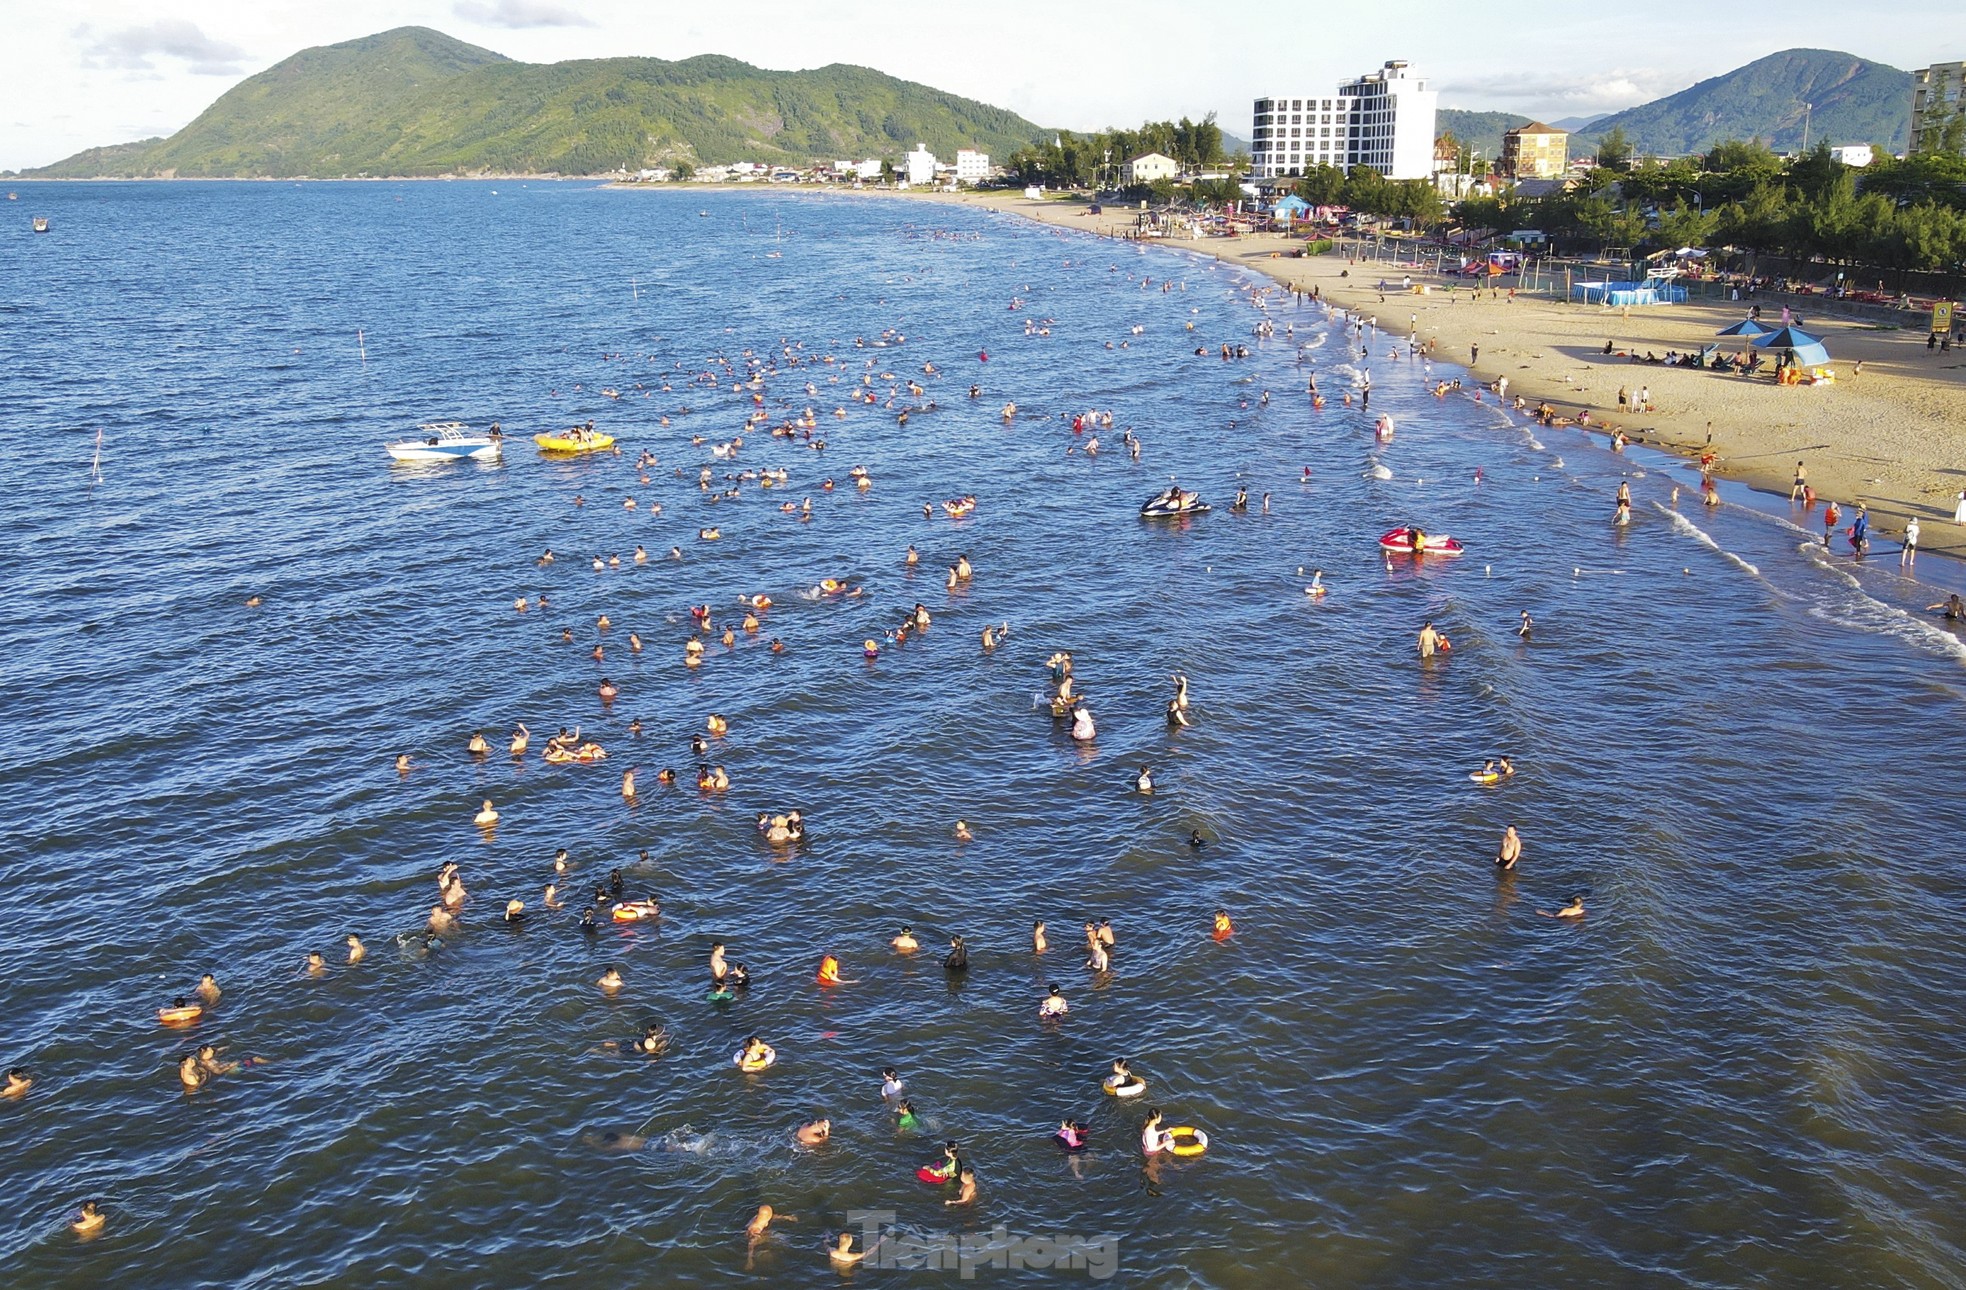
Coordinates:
(1400, 540)
(561, 443)
(1195, 1142)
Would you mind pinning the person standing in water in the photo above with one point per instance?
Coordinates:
(1510, 851)
(1429, 639)
(1909, 555)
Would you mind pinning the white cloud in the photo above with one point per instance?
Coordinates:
(132, 48)
(1602, 91)
(520, 13)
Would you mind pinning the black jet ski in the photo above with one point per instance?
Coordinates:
(1173, 502)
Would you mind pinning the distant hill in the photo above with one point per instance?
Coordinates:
(1481, 130)
(1855, 101)
(413, 101)
(1575, 123)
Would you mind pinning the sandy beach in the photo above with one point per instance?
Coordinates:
(1893, 437)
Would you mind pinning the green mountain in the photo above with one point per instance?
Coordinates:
(416, 102)
(1481, 130)
(1854, 101)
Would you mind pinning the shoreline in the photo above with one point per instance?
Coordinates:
(1888, 437)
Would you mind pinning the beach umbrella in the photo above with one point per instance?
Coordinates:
(1787, 338)
(1746, 327)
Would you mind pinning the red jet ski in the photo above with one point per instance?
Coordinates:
(1400, 541)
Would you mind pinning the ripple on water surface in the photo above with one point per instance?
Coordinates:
(1738, 1069)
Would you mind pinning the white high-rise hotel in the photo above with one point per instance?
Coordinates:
(1384, 120)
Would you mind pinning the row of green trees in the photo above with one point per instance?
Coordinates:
(1097, 160)
(1896, 214)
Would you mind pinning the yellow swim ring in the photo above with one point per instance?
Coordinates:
(1196, 1144)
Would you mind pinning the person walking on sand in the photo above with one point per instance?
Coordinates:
(1801, 481)
(1959, 508)
(1909, 554)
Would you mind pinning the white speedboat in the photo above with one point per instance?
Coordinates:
(450, 441)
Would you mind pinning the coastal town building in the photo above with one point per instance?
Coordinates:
(1857, 155)
(1383, 120)
(1535, 151)
(1935, 94)
(921, 166)
(972, 167)
(1151, 166)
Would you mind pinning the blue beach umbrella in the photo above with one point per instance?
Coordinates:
(1787, 338)
(1745, 327)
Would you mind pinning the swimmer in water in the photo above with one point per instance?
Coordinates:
(965, 1188)
(1097, 959)
(402, 763)
(890, 1084)
(1510, 850)
(1527, 625)
(520, 738)
(1143, 783)
(209, 1063)
(1955, 609)
(962, 832)
(1573, 909)
(208, 988)
(1039, 944)
(843, 1255)
(814, 1134)
(1154, 1139)
(1224, 929)
(1054, 1004)
(610, 982)
(906, 942)
(477, 745)
(905, 1117)
(316, 965)
(958, 958)
(486, 816)
(191, 1074)
(89, 1221)
(356, 950)
(18, 1082)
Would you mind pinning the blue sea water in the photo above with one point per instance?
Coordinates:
(1739, 1069)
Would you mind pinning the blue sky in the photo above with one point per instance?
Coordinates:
(88, 72)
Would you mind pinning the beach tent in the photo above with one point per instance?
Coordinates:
(1803, 348)
(1291, 208)
(1746, 327)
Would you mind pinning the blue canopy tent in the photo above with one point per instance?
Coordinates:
(1291, 209)
(1746, 327)
(1803, 348)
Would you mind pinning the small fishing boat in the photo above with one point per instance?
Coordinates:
(1173, 502)
(449, 441)
(1399, 541)
(575, 439)
(40, 223)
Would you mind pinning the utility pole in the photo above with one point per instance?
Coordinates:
(1807, 108)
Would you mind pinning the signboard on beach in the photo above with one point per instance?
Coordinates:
(1941, 317)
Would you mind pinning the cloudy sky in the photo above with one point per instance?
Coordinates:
(77, 73)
